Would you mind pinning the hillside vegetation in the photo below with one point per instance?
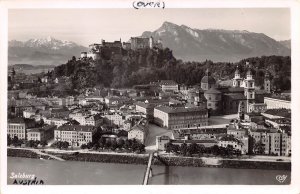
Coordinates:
(146, 65)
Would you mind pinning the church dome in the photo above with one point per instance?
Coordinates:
(208, 80)
(249, 72)
(213, 91)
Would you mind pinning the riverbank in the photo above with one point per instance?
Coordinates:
(160, 160)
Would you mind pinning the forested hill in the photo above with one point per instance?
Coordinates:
(147, 65)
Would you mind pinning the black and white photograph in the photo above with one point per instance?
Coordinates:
(148, 95)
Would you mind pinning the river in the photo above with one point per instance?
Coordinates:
(54, 172)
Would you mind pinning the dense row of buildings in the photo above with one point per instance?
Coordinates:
(184, 110)
(268, 133)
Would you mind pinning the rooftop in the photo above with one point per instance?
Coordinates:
(168, 109)
(213, 91)
(200, 130)
(235, 90)
(76, 128)
(138, 128)
(279, 97)
(235, 96)
(20, 120)
(279, 112)
(208, 79)
(167, 82)
(203, 141)
(145, 105)
(40, 129)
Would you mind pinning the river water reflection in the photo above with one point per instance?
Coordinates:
(91, 173)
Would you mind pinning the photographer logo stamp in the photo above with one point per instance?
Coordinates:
(281, 178)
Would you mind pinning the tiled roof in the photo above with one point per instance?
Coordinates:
(20, 120)
(279, 112)
(236, 96)
(167, 82)
(168, 109)
(139, 128)
(76, 128)
(208, 79)
(203, 141)
(39, 129)
(213, 91)
(236, 90)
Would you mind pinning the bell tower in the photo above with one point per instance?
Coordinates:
(249, 89)
(237, 80)
(267, 83)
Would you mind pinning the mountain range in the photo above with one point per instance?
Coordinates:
(187, 43)
(45, 51)
(192, 44)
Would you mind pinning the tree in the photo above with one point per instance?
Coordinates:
(201, 149)
(65, 144)
(183, 149)
(30, 143)
(168, 147)
(135, 145)
(215, 150)
(83, 146)
(127, 144)
(141, 148)
(229, 150)
(102, 142)
(107, 144)
(9, 140)
(114, 145)
(192, 149)
(96, 146)
(259, 147)
(36, 143)
(89, 145)
(57, 144)
(16, 142)
(251, 144)
(120, 143)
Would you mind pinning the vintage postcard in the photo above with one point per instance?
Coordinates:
(200, 96)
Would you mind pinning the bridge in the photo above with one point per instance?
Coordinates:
(46, 154)
(148, 172)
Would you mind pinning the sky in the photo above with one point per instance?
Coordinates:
(87, 26)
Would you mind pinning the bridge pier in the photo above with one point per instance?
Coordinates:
(150, 173)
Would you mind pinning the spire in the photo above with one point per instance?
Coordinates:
(207, 72)
(237, 71)
(267, 75)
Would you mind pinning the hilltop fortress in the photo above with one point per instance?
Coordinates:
(116, 47)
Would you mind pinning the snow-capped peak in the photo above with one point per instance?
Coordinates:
(49, 38)
(48, 42)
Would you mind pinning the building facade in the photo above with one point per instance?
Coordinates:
(180, 117)
(18, 127)
(138, 132)
(76, 135)
(41, 134)
(275, 103)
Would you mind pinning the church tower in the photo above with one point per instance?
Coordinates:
(267, 83)
(207, 81)
(249, 89)
(237, 80)
(151, 42)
